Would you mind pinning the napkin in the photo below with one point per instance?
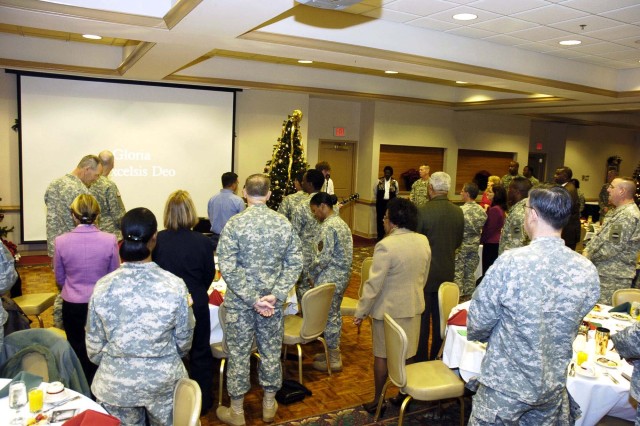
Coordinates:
(215, 298)
(623, 307)
(92, 418)
(459, 318)
(30, 381)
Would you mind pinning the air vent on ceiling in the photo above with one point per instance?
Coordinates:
(329, 4)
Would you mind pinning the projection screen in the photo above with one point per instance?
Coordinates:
(164, 137)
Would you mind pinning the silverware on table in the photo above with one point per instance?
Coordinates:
(613, 379)
(61, 403)
(572, 369)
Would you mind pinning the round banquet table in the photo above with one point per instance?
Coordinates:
(81, 404)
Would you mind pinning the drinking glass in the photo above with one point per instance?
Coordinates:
(602, 340)
(17, 400)
(582, 357)
(36, 399)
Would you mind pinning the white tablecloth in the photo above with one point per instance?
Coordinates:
(221, 286)
(596, 397)
(82, 404)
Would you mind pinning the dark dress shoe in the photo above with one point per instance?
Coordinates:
(398, 399)
(370, 407)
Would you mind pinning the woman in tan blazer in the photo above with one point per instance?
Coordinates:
(395, 286)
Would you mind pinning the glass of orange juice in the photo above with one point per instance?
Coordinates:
(35, 399)
(582, 357)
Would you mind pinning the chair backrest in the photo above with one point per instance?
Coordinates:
(395, 341)
(187, 403)
(364, 273)
(222, 312)
(448, 298)
(315, 305)
(625, 295)
(36, 363)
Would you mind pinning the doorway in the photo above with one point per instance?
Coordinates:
(538, 164)
(341, 157)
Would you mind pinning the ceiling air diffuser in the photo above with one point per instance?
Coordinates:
(329, 4)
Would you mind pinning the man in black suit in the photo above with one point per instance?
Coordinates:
(443, 224)
(571, 232)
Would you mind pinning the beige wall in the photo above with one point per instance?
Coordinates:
(259, 117)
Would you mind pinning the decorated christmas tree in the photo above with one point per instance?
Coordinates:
(636, 177)
(287, 160)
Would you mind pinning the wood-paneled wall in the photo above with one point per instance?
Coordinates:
(403, 158)
(472, 161)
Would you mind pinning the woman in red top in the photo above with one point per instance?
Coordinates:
(487, 195)
(490, 238)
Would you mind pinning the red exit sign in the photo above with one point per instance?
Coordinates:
(338, 131)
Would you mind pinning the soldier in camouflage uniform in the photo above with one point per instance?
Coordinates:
(58, 198)
(260, 260)
(106, 192)
(8, 277)
(307, 228)
(614, 248)
(513, 173)
(420, 189)
(524, 372)
(467, 258)
(139, 327)
(512, 234)
(291, 201)
(331, 264)
(627, 343)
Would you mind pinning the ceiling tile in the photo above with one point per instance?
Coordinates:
(390, 15)
(629, 15)
(599, 6)
(550, 14)
(504, 25)
(615, 33)
(592, 23)
(505, 39)
(432, 24)
(420, 7)
(508, 7)
(471, 32)
(539, 33)
(630, 41)
(630, 54)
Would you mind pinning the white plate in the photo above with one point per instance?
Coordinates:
(586, 370)
(603, 361)
(53, 398)
(621, 316)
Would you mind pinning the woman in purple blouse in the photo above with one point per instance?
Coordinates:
(490, 238)
(81, 258)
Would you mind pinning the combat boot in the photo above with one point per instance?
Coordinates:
(269, 407)
(335, 361)
(230, 415)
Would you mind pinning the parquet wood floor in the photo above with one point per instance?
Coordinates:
(348, 388)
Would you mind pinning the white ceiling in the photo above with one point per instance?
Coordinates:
(510, 55)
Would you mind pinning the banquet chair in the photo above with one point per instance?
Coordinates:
(448, 298)
(187, 402)
(221, 351)
(423, 381)
(625, 295)
(35, 304)
(349, 304)
(301, 330)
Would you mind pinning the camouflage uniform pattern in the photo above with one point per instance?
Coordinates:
(614, 249)
(506, 180)
(111, 207)
(627, 343)
(419, 192)
(528, 309)
(467, 258)
(58, 197)
(258, 254)
(512, 234)
(332, 264)
(288, 205)
(534, 181)
(8, 277)
(308, 229)
(603, 199)
(139, 326)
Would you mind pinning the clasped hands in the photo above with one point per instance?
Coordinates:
(266, 305)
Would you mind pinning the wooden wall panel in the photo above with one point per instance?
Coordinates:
(471, 162)
(403, 158)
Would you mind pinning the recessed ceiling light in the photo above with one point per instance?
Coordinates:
(391, 72)
(92, 36)
(570, 42)
(461, 82)
(465, 17)
(304, 61)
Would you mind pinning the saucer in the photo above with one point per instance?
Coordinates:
(586, 370)
(51, 398)
(603, 361)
